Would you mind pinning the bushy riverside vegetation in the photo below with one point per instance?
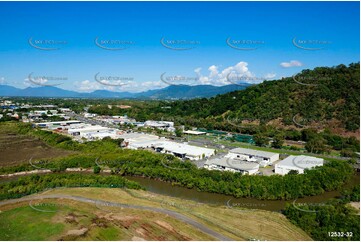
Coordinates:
(107, 153)
(351, 195)
(37, 183)
(323, 220)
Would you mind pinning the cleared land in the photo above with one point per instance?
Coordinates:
(17, 149)
(73, 220)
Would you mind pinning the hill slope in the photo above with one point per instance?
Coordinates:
(327, 96)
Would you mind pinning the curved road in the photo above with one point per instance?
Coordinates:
(171, 213)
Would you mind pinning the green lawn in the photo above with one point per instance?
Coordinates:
(25, 223)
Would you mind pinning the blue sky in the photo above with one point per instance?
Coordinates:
(269, 30)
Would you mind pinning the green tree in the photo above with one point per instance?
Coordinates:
(178, 132)
(278, 141)
(316, 145)
(96, 169)
(260, 139)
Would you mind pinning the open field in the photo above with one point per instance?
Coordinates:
(17, 149)
(81, 221)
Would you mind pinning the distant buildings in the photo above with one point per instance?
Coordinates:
(194, 132)
(65, 110)
(89, 115)
(40, 112)
(115, 119)
(297, 163)
(56, 124)
(165, 125)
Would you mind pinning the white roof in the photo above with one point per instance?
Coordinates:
(193, 132)
(101, 134)
(88, 129)
(184, 148)
(233, 163)
(147, 143)
(258, 153)
(139, 137)
(61, 122)
(301, 161)
(158, 123)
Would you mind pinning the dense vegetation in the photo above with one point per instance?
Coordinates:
(326, 221)
(335, 96)
(37, 183)
(329, 93)
(352, 195)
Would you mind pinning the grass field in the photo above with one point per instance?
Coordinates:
(70, 220)
(17, 149)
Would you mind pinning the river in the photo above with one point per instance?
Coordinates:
(166, 188)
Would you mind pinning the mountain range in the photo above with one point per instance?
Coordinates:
(170, 92)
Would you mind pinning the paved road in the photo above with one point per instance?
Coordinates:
(171, 213)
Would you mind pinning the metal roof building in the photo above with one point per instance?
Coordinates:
(234, 165)
(183, 150)
(298, 163)
(264, 158)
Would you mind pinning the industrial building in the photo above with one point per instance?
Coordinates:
(113, 134)
(164, 125)
(263, 158)
(158, 124)
(160, 144)
(82, 131)
(233, 165)
(51, 125)
(183, 150)
(297, 163)
(137, 141)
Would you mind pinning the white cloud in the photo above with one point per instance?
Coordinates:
(292, 63)
(216, 76)
(35, 82)
(270, 75)
(90, 86)
(221, 78)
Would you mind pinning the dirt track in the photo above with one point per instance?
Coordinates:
(171, 213)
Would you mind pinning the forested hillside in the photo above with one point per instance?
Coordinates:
(325, 97)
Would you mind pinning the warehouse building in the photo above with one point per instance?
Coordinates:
(82, 131)
(263, 158)
(232, 165)
(183, 151)
(297, 163)
(113, 134)
(51, 125)
(137, 141)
